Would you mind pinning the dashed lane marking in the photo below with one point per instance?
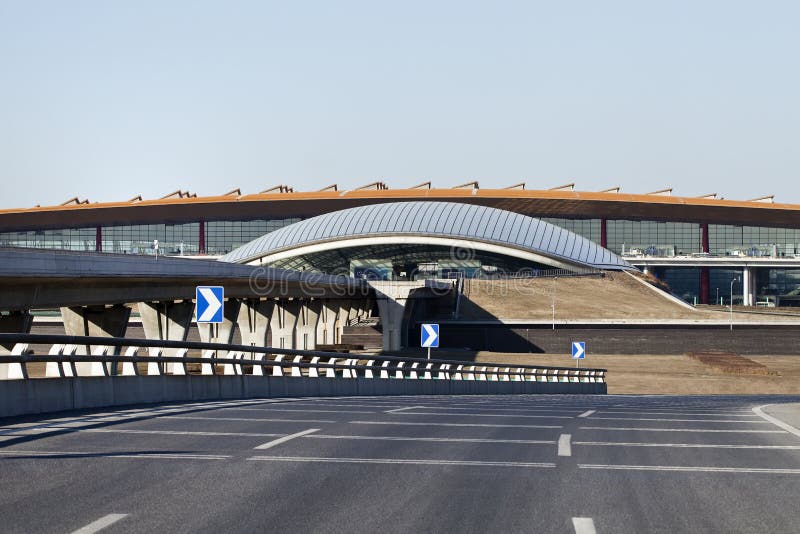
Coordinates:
(270, 409)
(436, 440)
(703, 430)
(180, 433)
(461, 463)
(717, 414)
(284, 439)
(398, 410)
(691, 469)
(564, 447)
(480, 425)
(583, 525)
(486, 415)
(100, 524)
(587, 413)
(684, 445)
(744, 421)
(268, 420)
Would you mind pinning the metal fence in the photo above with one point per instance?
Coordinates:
(110, 357)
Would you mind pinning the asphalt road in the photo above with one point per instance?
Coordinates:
(407, 464)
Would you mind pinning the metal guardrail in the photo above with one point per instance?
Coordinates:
(63, 361)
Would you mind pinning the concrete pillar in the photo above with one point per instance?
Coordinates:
(342, 318)
(15, 322)
(748, 286)
(221, 332)
(283, 322)
(327, 327)
(253, 321)
(96, 321)
(169, 321)
(306, 328)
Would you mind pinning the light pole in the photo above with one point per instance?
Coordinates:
(553, 306)
(717, 296)
(736, 279)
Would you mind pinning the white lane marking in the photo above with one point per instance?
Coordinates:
(482, 409)
(564, 447)
(180, 433)
(437, 440)
(400, 461)
(100, 524)
(691, 469)
(94, 454)
(717, 414)
(269, 409)
(488, 415)
(759, 411)
(284, 439)
(744, 421)
(396, 410)
(449, 424)
(587, 413)
(583, 525)
(248, 419)
(682, 430)
(684, 445)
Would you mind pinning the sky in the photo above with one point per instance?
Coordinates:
(110, 99)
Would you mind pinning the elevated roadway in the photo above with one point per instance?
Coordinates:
(409, 464)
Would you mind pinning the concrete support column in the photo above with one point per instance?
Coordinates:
(748, 286)
(342, 317)
(253, 321)
(392, 298)
(327, 328)
(306, 330)
(283, 322)
(221, 332)
(96, 321)
(169, 321)
(15, 322)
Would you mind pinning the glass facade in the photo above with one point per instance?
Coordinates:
(84, 239)
(728, 240)
(683, 282)
(173, 239)
(409, 262)
(225, 236)
(651, 238)
(588, 228)
(719, 286)
(778, 286)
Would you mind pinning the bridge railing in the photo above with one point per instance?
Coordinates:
(109, 359)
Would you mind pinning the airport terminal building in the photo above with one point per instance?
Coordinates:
(704, 248)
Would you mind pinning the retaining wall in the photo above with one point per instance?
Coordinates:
(26, 397)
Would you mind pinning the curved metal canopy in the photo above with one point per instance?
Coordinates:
(443, 223)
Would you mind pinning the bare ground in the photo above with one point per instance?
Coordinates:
(673, 375)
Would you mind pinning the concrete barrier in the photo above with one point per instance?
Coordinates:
(28, 397)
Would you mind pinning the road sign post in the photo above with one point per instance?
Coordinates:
(210, 304)
(429, 337)
(578, 352)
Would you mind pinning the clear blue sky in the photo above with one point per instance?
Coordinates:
(110, 99)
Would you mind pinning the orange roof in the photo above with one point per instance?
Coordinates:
(552, 202)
